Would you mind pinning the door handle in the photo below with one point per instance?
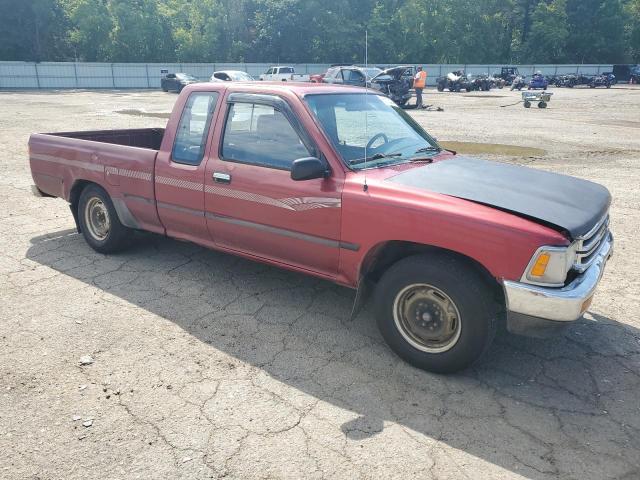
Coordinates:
(221, 177)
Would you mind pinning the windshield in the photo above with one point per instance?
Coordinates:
(372, 127)
(371, 72)
(184, 76)
(240, 76)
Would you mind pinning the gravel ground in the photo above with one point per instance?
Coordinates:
(171, 361)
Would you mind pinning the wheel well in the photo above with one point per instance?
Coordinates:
(381, 257)
(74, 198)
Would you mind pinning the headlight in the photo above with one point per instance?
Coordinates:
(549, 266)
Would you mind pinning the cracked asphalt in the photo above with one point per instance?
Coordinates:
(206, 365)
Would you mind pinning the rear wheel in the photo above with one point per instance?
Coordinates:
(527, 104)
(542, 104)
(99, 221)
(435, 312)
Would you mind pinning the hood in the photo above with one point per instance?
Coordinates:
(394, 72)
(568, 203)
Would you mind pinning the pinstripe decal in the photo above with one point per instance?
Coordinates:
(176, 182)
(123, 172)
(248, 196)
(295, 203)
(298, 204)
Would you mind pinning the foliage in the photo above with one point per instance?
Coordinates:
(400, 31)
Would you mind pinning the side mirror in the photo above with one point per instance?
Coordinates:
(308, 168)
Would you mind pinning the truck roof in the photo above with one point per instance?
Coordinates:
(299, 88)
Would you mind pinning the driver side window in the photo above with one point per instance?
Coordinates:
(191, 137)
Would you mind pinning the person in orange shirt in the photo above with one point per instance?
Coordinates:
(419, 82)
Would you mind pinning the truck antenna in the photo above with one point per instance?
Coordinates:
(365, 187)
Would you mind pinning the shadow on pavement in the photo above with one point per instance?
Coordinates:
(566, 406)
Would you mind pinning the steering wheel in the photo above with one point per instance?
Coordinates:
(376, 137)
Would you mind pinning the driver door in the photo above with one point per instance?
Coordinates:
(252, 204)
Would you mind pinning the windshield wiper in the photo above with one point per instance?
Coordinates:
(377, 156)
(430, 148)
(419, 158)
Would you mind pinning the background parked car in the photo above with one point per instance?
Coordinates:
(231, 76)
(395, 83)
(350, 75)
(283, 74)
(176, 81)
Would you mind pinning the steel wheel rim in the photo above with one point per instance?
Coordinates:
(97, 218)
(427, 318)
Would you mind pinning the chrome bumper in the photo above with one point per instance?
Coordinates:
(564, 304)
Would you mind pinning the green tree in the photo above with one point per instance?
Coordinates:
(33, 30)
(632, 30)
(92, 25)
(547, 40)
(140, 33)
(597, 31)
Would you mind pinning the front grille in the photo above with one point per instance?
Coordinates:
(589, 244)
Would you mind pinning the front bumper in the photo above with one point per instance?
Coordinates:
(533, 310)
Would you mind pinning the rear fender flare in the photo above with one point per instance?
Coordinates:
(124, 214)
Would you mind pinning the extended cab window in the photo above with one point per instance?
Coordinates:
(260, 135)
(191, 137)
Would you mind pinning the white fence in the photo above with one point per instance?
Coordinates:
(22, 75)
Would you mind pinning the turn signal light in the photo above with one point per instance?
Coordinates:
(540, 266)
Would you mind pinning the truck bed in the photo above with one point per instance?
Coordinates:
(122, 161)
(137, 137)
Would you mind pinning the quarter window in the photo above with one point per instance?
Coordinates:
(261, 135)
(191, 138)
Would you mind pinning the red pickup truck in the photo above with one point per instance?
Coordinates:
(341, 183)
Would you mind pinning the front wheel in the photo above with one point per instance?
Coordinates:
(99, 221)
(435, 312)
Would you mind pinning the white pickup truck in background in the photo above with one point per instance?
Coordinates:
(284, 74)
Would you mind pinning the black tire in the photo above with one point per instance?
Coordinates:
(542, 104)
(440, 87)
(117, 236)
(527, 104)
(465, 289)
